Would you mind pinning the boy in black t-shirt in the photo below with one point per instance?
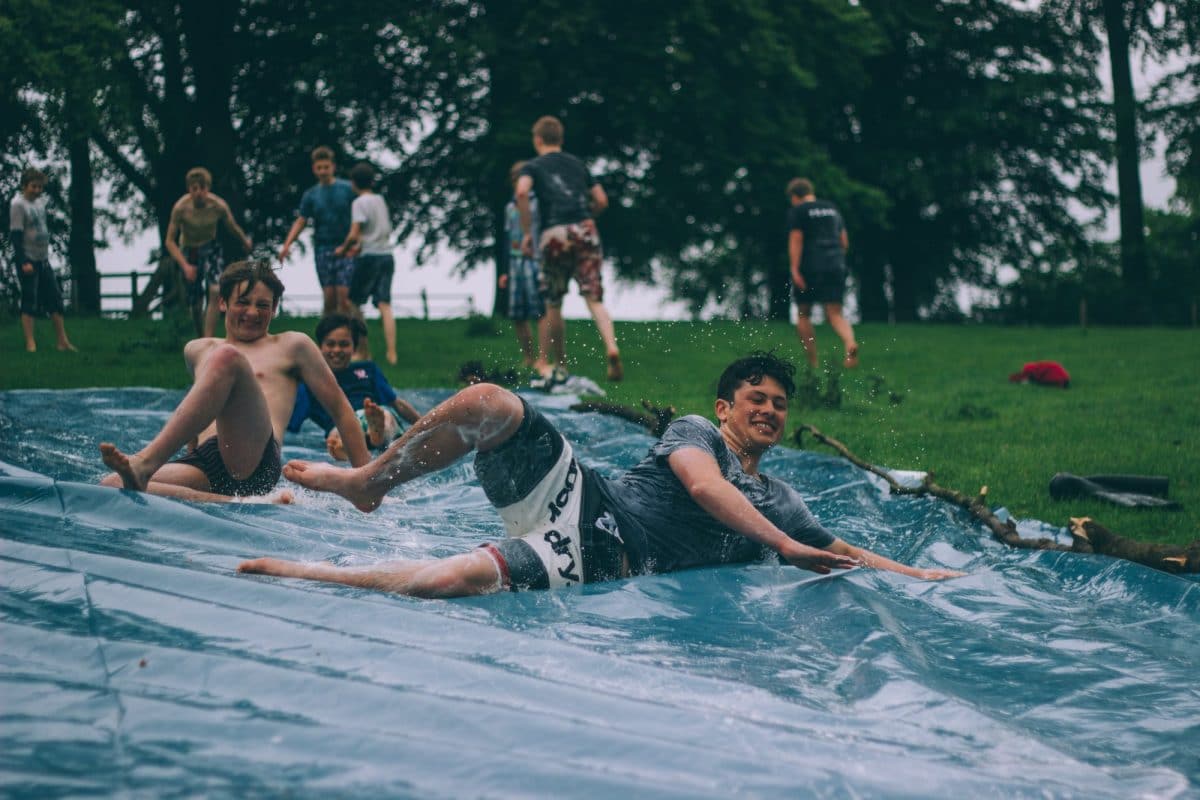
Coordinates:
(568, 198)
(817, 243)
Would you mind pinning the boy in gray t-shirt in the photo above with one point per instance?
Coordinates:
(698, 498)
(370, 238)
(30, 239)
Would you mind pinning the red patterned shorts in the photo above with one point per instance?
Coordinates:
(571, 251)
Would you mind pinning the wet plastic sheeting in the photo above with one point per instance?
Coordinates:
(134, 660)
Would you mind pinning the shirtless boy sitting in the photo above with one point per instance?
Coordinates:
(239, 403)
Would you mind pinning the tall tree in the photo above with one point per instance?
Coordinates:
(694, 132)
(51, 51)
(982, 127)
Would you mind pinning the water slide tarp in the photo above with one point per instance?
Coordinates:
(134, 661)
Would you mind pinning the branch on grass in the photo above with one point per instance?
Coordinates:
(1087, 536)
(654, 418)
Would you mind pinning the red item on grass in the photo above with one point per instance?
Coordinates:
(1047, 373)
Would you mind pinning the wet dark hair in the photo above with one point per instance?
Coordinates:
(752, 369)
(331, 322)
(253, 271)
(32, 175)
(362, 175)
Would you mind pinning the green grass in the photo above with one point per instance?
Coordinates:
(1133, 405)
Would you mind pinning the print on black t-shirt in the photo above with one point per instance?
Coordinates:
(822, 226)
(563, 186)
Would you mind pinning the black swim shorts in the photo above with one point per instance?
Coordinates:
(207, 458)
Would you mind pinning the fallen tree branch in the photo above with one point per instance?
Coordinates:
(1087, 535)
(654, 418)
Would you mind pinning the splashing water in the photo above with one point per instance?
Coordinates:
(135, 660)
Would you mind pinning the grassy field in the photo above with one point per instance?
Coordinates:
(926, 396)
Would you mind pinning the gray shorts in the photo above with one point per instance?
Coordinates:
(559, 532)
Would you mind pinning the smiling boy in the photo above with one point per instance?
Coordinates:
(697, 499)
(239, 404)
(379, 409)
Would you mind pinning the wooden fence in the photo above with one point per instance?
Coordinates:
(421, 305)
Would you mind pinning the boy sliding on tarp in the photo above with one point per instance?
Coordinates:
(697, 499)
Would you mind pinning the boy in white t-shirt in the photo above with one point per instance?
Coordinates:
(370, 238)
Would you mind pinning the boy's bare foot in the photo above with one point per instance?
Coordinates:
(616, 372)
(30, 348)
(851, 357)
(351, 484)
(392, 358)
(67, 347)
(128, 468)
(376, 434)
(336, 447)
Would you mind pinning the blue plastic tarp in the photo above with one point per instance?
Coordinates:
(133, 659)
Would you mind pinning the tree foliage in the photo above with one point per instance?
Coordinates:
(957, 137)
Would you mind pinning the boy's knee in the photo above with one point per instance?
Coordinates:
(225, 356)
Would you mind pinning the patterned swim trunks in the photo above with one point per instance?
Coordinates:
(571, 251)
(332, 269)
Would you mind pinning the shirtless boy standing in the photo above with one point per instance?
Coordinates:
(239, 404)
(194, 221)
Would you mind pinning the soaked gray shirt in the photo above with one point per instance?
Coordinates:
(665, 530)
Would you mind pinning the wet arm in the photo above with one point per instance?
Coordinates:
(172, 246)
(701, 477)
(352, 237)
(292, 234)
(598, 199)
(876, 561)
(234, 228)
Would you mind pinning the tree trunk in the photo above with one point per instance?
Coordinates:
(81, 253)
(1134, 268)
(872, 285)
(209, 38)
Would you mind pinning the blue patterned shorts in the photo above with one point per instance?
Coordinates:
(332, 269)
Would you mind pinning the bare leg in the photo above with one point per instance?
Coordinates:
(808, 337)
(467, 574)
(198, 315)
(525, 339)
(541, 365)
(60, 330)
(225, 390)
(329, 303)
(480, 417)
(841, 326)
(389, 331)
(27, 330)
(554, 344)
(212, 310)
(604, 325)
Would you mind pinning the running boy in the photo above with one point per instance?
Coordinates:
(380, 411)
(569, 198)
(30, 238)
(370, 237)
(194, 221)
(327, 204)
(817, 244)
